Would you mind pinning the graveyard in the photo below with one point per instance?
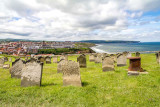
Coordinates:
(110, 88)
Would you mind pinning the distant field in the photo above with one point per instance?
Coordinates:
(107, 89)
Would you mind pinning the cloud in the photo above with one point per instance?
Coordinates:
(78, 19)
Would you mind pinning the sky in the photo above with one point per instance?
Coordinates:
(74, 20)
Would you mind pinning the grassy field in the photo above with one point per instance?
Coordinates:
(105, 89)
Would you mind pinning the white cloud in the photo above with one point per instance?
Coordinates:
(78, 19)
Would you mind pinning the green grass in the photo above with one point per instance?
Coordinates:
(105, 89)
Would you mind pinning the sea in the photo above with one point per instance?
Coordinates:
(142, 47)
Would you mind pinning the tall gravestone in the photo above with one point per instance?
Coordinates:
(108, 64)
(1, 62)
(41, 59)
(55, 59)
(121, 60)
(31, 73)
(98, 58)
(91, 57)
(82, 61)
(16, 69)
(48, 60)
(71, 74)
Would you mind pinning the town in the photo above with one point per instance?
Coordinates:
(25, 47)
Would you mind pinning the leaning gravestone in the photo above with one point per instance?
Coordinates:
(108, 64)
(48, 60)
(1, 62)
(121, 60)
(41, 59)
(114, 57)
(55, 59)
(91, 58)
(31, 73)
(98, 59)
(137, 54)
(16, 69)
(71, 73)
(82, 61)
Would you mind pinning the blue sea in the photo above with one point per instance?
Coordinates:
(143, 47)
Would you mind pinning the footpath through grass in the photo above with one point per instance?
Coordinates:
(107, 89)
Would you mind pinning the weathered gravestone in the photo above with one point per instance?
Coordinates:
(41, 59)
(91, 57)
(64, 57)
(71, 73)
(129, 54)
(6, 66)
(26, 58)
(1, 62)
(48, 60)
(137, 54)
(108, 64)
(10, 59)
(55, 59)
(121, 60)
(5, 59)
(114, 57)
(98, 59)
(31, 73)
(16, 69)
(135, 66)
(60, 65)
(158, 57)
(82, 61)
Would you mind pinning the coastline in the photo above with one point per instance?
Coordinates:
(95, 48)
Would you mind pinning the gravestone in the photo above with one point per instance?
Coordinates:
(41, 59)
(48, 60)
(31, 73)
(91, 57)
(26, 58)
(10, 59)
(60, 65)
(82, 61)
(129, 54)
(1, 62)
(5, 59)
(114, 57)
(55, 59)
(107, 64)
(16, 69)
(6, 66)
(135, 66)
(158, 57)
(71, 73)
(121, 60)
(137, 54)
(64, 57)
(98, 59)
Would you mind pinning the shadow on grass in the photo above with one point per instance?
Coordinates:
(47, 84)
(84, 84)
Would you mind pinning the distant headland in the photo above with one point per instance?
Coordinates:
(108, 41)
